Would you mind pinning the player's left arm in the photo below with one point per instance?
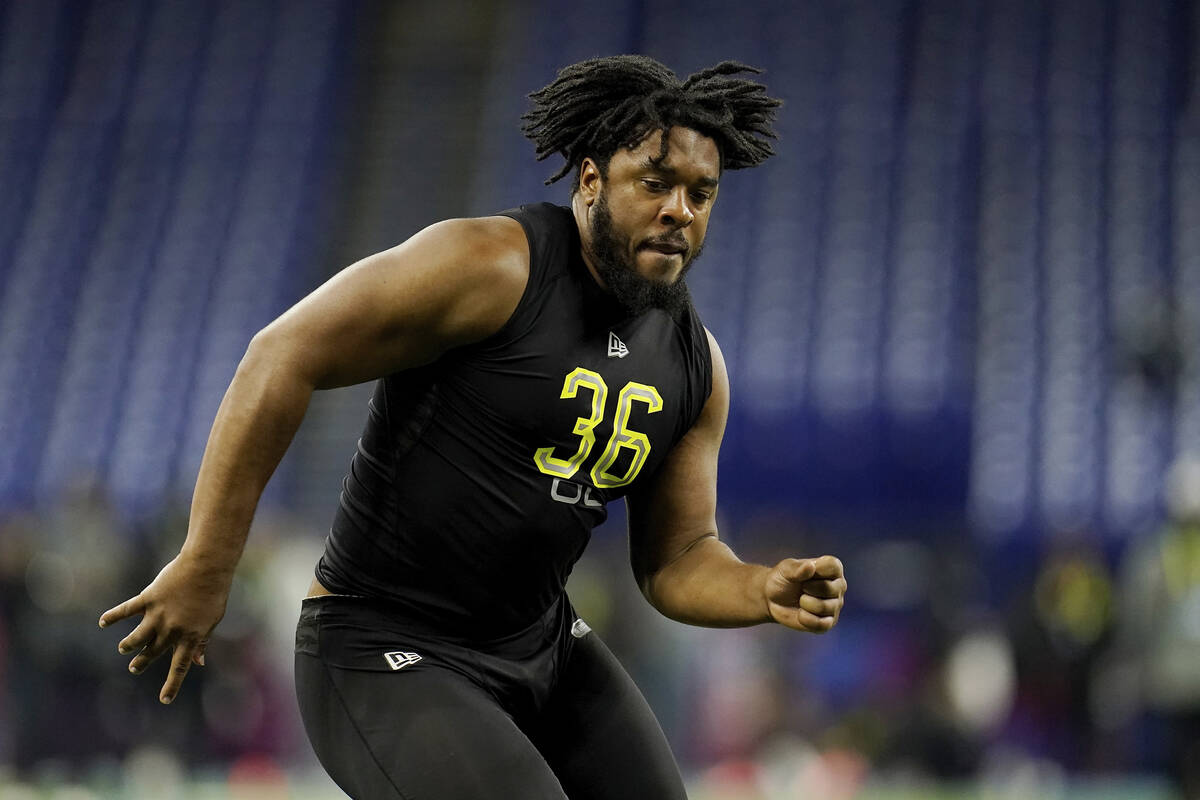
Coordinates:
(688, 573)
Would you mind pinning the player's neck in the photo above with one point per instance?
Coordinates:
(580, 209)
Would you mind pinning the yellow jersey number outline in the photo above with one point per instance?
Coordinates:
(622, 436)
(584, 428)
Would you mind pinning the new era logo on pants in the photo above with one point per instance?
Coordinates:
(400, 660)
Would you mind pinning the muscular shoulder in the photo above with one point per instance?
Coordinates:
(496, 245)
(718, 402)
(451, 284)
(481, 270)
(484, 265)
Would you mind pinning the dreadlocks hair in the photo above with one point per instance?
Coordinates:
(597, 106)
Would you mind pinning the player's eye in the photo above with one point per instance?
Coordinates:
(654, 185)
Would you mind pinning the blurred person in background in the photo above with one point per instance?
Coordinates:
(1155, 658)
(531, 367)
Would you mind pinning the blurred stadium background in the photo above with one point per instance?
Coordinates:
(961, 311)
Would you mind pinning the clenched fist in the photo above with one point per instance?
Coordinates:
(806, 593)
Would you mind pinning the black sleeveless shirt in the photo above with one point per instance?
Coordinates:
(479, 477)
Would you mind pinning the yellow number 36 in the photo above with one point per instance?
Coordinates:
(585, 429)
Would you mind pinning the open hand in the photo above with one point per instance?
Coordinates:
(806, 593)
(179, 609)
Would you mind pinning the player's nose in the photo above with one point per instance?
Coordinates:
(675, 210)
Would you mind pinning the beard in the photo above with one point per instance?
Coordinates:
(611, 256)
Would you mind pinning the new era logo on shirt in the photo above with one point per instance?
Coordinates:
(616, 348)
(399, 660)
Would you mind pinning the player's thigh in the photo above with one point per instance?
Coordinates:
(599, 734)
(426, 734)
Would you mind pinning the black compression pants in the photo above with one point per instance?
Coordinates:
(436, 734)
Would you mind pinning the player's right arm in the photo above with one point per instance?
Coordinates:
(454, 283)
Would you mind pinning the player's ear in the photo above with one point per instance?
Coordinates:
(590, 180)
